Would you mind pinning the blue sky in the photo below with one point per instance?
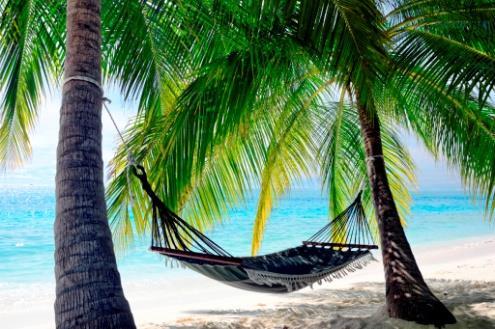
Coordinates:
(40, 169)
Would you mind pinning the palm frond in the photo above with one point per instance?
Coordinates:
(290, 151)
(31, 51)
(454, 128)
(338, 33)
(147, 51)
(451, 40)
(343, 160)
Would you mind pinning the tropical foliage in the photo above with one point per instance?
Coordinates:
(274, 91)
(236, 97)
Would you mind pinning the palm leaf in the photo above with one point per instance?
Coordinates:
(31, 51)
(343, 161)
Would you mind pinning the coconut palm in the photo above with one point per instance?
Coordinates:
(87, 278)
(33, 54)
(89, 291)
(255, 112)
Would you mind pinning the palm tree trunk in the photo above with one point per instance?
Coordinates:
(89, 292)
(408, 297)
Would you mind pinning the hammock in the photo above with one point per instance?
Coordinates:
(341, 246)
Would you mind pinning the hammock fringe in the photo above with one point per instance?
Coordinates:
(292, 282)
(173, 263)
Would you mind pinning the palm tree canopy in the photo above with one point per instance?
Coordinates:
(235, 96)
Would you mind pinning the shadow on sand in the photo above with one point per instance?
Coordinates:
(362, 307)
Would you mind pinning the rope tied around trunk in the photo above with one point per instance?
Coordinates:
(85, 79)
(373, 157)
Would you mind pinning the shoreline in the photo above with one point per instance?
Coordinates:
(188, 300)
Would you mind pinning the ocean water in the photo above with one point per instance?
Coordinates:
(27, 215)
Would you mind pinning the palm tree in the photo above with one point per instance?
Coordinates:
(32, 52)
(89, 289)
(251, 115)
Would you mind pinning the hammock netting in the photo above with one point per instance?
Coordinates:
(342, 246)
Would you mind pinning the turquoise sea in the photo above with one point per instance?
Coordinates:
(27, 215)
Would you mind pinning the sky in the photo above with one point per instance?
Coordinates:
(39, 170)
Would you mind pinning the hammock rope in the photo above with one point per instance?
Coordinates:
(340, 247)
(172, 232)
(349, 227)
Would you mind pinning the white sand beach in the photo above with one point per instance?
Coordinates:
(462, 274)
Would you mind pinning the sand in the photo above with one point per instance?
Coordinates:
(461, 273)
(360, 307)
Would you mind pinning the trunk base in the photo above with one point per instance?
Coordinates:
(426, 310)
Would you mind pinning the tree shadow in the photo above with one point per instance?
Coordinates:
(361, 307)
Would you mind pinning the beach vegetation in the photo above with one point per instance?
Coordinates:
(241, 97)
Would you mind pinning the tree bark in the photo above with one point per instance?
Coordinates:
(407, 295)
(88, 288)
